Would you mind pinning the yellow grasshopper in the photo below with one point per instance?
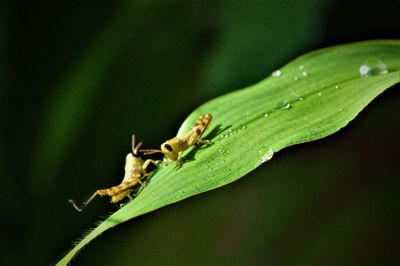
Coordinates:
(136, 170)
(174, 148)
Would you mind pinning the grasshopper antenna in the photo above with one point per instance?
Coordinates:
(135, 148)
(150, 151)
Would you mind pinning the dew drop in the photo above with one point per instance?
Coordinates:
(243, 126)
(295, 78)
(225, 136)
(247, 113)
(287, 106)
(337, 87)
(296, 96)
(277, 73)
(319, 93)
(266, 154)
(304, 73)
(265, 114)
(364, 70)
(373, 67)
(301, 67)
(262, 150)
(220, 150)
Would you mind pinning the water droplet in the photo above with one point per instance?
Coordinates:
(277, 73)
(295, 78)
(364, 70)
(247, 113)
(319, 93)
(227, 152)
(231, 132)
(337, 87)
(373, 67)
(266, 154)
(220, 150)
(242, 126)
(265, 114)
(296, 96)
(287, 106)
(301, 67)
(304, 73)
(262, 150)
(225, 136)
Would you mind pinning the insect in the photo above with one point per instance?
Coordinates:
(174, 148)
(136, 170)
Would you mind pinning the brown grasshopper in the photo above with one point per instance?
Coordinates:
(174, 148)
(136, 170)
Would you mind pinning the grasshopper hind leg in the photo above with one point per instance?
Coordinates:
(101, 192)
(127, 193)
(203, 141)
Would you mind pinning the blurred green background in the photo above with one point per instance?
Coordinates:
(77, 78)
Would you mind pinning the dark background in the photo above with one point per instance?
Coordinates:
(77, 78)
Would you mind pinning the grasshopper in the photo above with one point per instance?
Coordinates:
(174, 148)
(136, 170)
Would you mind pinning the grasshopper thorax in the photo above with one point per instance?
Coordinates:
(133, 165)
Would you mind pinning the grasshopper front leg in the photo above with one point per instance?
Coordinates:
(147, 172)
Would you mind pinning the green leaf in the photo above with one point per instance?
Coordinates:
(310, 98)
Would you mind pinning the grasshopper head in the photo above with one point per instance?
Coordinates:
(170, 150)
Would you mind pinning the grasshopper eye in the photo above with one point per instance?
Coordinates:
(168, 147)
